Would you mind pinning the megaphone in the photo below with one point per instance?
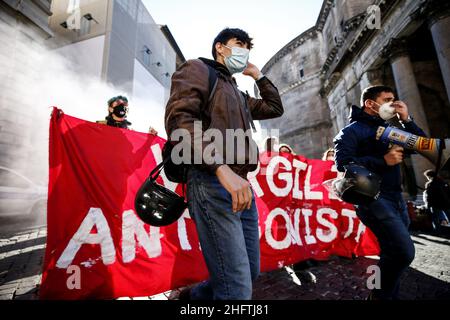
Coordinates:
(427, 147)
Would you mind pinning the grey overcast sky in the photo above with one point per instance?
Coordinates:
(272, 23)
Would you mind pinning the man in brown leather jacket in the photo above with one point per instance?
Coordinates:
(220, 198)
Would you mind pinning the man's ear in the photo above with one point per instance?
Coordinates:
(219, 48)
(368, 103)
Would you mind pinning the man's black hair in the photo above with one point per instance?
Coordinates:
(229, 33)
(372, 93)
(114, 99)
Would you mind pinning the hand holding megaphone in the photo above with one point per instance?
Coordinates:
(394, 156)
(427, 147)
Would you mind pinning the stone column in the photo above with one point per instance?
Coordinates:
(405, 81)
(439, 24)
(408, 91)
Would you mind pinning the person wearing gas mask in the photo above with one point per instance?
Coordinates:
(220, 198)
(386, 215)
(117, 114)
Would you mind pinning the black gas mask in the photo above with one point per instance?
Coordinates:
(120, 111)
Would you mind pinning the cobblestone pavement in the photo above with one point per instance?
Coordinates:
(21, 258)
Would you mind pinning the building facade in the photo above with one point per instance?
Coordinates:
(118, 41)
(322, 72)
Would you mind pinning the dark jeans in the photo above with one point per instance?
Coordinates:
(388, 219)
(229, 241)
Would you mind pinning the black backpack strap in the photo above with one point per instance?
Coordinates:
(212, 80)
(247, 110)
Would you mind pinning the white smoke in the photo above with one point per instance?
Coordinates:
(33, 79)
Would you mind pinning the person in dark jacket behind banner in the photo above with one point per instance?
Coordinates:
(387, 215)
(437, 199)
(220, 198)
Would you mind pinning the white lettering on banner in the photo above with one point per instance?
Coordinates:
(284, 176)
(278, 244)
(331, 234)
(296, 228)
(350, 214)
(299, 166)
(309, 239)
(361, 229)
(83, 235)
(293, 235)
(254, 182)
(332, 195)
(292, 183)
(182, 231)
(132, 228)
(312, 195)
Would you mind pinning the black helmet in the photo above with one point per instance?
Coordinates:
(157, 205)
(358, 186)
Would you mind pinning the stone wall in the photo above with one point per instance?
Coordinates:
(311, 119)
(305, 123)
(342, 56)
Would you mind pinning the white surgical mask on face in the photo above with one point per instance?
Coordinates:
(386, 111)
(238, 60)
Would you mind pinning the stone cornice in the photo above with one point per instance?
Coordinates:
(302, 38)
(349, 26)
(308, 34)
(348, 42)
(330, 84)
(396, 47)
(323, 15)
(434, 10)
(361, 37)
(356, 38)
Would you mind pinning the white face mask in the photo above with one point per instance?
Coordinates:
(238, 60)
(386, 111)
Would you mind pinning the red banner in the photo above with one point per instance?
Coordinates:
(98, 248)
